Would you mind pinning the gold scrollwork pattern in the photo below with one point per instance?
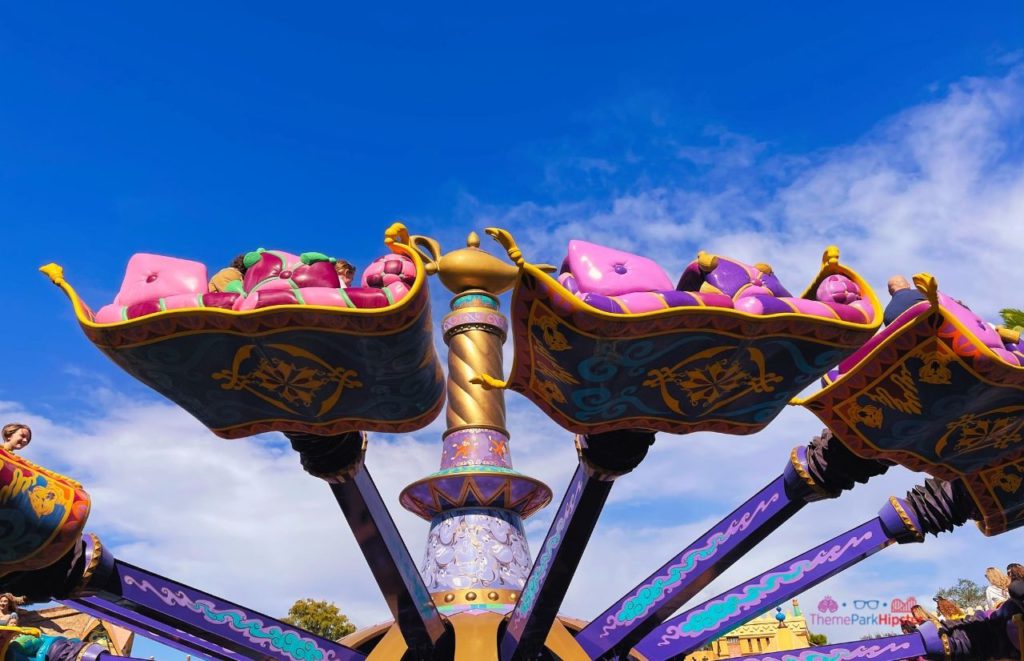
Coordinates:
(935, 359)
(903, 398)
(298, 378)
(1006, 481)
(553, 338)
(972, 432)
(710, 382)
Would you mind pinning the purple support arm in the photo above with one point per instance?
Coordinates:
(645, 606)
(694, 628)
(154, 629)
(555, 566)
(172, 609)
(390, 562)
(893, 648)
(822, 469)
(603, 458)
(978, 638)
(338, 460)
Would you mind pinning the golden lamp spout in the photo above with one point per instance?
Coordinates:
(467, 268)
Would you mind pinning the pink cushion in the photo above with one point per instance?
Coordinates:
(838, 288)
(109, 314)
(641, 301)
(858, 312)
(975, 324)
(762, 305)
(181, 301)
(337, 297)
(1007, 356)
(277, 269)
(218, 299)
(368, 297)
(611, 272)
(326, 296)
(814, 308)
(151, 277)
(114, 313)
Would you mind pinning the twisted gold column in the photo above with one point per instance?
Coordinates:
(471, 352)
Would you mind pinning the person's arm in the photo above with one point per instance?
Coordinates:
(994, 596)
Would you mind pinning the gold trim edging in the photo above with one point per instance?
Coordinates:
(905, 518)
(470, 596)
(94, 562)
(794, 460)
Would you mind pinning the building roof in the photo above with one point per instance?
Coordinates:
(65, 621)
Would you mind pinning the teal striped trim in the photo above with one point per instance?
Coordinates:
(483, 468)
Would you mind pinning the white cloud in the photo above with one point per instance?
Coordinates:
(938, 187)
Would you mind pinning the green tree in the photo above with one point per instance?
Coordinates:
(320, 617)
(1013, 318)
(965, 594)
(817, 639)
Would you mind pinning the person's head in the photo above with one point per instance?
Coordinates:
(239, 263)
(919, 613)
(345, 271)
(1015, 571)
(8, 602)
(997, 578)
(896, 283)
(16, 436)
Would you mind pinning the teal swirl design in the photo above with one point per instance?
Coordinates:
(533, 585)
(286, 642)
(716, 613)
(844, 653)
(540, 571)
(649, 595)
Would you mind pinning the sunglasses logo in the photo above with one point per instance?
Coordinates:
(870, 604)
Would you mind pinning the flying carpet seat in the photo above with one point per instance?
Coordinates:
(290, 349)
(973, 326)
(940, 391)
(610, 344)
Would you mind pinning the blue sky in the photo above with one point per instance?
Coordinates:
(761, 130)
